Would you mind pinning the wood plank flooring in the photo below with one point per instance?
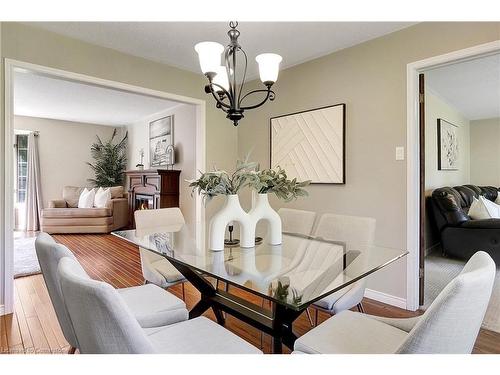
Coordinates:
(33, 328)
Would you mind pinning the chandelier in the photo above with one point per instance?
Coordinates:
(222, 81)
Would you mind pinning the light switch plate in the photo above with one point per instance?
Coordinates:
(400, 153)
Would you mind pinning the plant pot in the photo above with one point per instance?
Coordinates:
(262, 210)
(231, 211)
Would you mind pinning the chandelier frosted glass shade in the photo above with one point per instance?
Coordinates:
(221, 80)
(209, 55)
(269, 67)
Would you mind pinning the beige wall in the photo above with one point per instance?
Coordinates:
(436, 108)
(185, 150)
(485, 152)
(371, 79)
(64, 149)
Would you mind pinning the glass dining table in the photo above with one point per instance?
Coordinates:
(292, 276)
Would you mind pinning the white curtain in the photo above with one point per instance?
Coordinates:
(33, 190)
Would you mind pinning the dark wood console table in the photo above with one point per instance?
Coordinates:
(151, 189)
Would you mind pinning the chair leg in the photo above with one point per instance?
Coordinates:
(360, 308)
(309, 317)
(71, 350)
(183, 292)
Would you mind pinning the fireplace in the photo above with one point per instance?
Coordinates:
(144, 202)
(151, 189)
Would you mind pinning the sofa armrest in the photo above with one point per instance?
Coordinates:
(120, 212)
(57, 203)
(481, 224)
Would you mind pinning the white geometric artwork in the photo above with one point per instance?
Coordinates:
(448, 147)
(310, 145)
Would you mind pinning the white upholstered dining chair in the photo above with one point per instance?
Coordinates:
(155, 268)
(104, 323)
(358, 233)
(450, 324)
(297, 221)
(151, 305)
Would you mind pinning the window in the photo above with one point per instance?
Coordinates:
(21, 166)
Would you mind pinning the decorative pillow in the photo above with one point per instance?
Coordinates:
(492, 208)
(86, 199)
(102, 197)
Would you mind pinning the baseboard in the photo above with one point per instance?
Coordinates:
(386, 298)
(2, 310)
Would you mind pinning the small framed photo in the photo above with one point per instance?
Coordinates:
(161, 136)
(448, 146)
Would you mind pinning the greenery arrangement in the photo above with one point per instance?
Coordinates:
(276, 181)
(219, 182)
(110, 161)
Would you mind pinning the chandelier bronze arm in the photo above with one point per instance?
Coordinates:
(270, 95)
(209, 89)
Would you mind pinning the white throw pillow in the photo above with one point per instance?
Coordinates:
(492, 207)
(102, 197)
(86, 199)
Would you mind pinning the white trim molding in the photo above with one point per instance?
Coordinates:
(10, 67)
(2, 310)
(412, 165)
(388, 299)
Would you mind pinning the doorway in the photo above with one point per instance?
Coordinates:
(415, 159)
(11, 68)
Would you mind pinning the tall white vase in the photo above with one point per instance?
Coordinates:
(262, 210)
(231, 211)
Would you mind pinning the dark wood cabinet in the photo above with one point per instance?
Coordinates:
(151, 189)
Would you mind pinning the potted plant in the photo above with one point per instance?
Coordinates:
(274, 181)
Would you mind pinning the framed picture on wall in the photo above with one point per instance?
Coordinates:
(310, 145)
(448, 146)
(161, 136)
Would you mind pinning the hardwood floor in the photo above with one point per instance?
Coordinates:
(33, 328)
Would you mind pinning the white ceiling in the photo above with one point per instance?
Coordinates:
(472, 87)
(48, 97)
(172, 42)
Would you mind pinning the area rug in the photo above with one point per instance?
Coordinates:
(25, 259)
(439, 271)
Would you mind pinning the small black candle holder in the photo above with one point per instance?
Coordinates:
(231, 241)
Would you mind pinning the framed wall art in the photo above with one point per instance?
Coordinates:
(448, 146)
(310, 145)
(161, 136)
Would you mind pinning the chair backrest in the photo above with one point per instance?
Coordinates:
(452, 322)
(297, 221)
(102, 321)
(49, 254)
(157, 218)
(353, 230)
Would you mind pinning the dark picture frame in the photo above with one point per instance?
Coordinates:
(334, 154)
(448, 145)
(161, 136)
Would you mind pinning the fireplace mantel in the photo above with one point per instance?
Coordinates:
(152, 188)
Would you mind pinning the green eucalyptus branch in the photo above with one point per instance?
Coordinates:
(276, 181)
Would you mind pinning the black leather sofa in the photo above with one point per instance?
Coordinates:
(460, 235)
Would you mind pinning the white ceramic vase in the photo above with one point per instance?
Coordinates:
(262, 210)
(231, 211)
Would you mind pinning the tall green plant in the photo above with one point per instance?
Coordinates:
(110, 161)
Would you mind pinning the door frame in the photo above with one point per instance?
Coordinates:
(10, 66)
(413, 199)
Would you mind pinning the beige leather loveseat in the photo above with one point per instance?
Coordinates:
(64, 216)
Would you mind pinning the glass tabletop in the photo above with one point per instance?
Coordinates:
(296, 273)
